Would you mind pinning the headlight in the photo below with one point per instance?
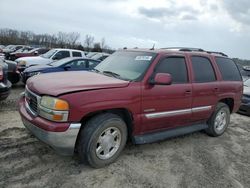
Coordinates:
(22, 63)
(54, 109)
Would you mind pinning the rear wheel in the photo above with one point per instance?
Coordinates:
(102, 140)
(219, 121)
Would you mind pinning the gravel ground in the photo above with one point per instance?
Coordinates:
(194, 160)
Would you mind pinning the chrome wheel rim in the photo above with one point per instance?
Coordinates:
(108, 143)
(220, 121)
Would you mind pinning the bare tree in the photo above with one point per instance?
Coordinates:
(89, 42)
(103, 43)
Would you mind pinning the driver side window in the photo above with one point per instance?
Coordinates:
(176, 66)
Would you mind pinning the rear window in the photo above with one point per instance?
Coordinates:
(203, 70)
(228, 69)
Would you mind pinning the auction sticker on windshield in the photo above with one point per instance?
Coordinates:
(143, 58)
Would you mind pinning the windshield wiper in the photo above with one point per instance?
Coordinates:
(112, 74)
(95, 70)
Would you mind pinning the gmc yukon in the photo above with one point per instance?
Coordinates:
(141, 95)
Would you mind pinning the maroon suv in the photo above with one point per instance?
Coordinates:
(141, 95)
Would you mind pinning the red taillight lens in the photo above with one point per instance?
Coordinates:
(1, 73)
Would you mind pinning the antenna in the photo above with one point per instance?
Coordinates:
(153, 47)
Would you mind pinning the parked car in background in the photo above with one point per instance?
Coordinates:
(245, 101)
(5, 85)
(50, 56)
(33, 52)
(66, 64)
(2, 56)
(1, 48)
(12, 48)
(141, 95)
(13, 73)
(100, 56)
(16, 48)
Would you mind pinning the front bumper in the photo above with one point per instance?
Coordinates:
(4, 90)
(62, 142)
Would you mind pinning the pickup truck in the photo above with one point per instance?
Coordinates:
(139, 95)
(50, 56)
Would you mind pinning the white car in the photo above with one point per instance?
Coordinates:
(50, 56)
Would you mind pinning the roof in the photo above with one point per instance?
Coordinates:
(68, 49)
(180, 51)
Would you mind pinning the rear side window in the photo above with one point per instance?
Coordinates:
(76, 54)
(228, 69)
(203, 70)
(176, 66)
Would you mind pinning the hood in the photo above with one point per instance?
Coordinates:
(37, 68)
(65, 82)
(38, 60)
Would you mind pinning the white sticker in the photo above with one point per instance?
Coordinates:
(143, 58)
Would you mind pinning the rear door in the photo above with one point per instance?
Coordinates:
(205, 88)
(167, 106)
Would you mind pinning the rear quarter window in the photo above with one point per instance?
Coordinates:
(228, 69)
(77, 54)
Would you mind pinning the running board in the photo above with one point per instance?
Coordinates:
(162, 135)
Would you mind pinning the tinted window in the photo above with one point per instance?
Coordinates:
(228, 69)
(77, 54)
(203, 70)
(176, 66)
(61, 55)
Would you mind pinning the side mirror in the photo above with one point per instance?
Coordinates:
(36, 52)
(161, 79)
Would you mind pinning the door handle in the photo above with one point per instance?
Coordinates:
(216, 89)
(188, 92)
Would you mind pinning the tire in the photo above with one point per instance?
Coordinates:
(219, 121)
(102, 140)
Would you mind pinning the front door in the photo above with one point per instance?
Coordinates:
(167, 106)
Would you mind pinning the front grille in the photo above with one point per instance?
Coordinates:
(31, 100)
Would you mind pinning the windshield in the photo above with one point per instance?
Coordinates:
(96, 56)
(60, 62)
(33, 50)
(49, 53)
(247, 82)
(128, 65)
(91, 54)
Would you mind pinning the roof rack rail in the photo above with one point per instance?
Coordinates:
(187, 49)
(220, 53)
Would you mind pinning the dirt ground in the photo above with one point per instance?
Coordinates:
(194, 160)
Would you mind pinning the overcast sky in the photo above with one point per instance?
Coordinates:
(221, 25)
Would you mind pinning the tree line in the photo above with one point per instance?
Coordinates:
(59, 40)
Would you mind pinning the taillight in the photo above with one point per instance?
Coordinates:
(1, 73)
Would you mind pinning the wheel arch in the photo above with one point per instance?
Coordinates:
(228, 101)
(124, 113)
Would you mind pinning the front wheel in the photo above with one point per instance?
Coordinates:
(102, 140)
(219, 121)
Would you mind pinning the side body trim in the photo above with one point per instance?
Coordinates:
(177, 112)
